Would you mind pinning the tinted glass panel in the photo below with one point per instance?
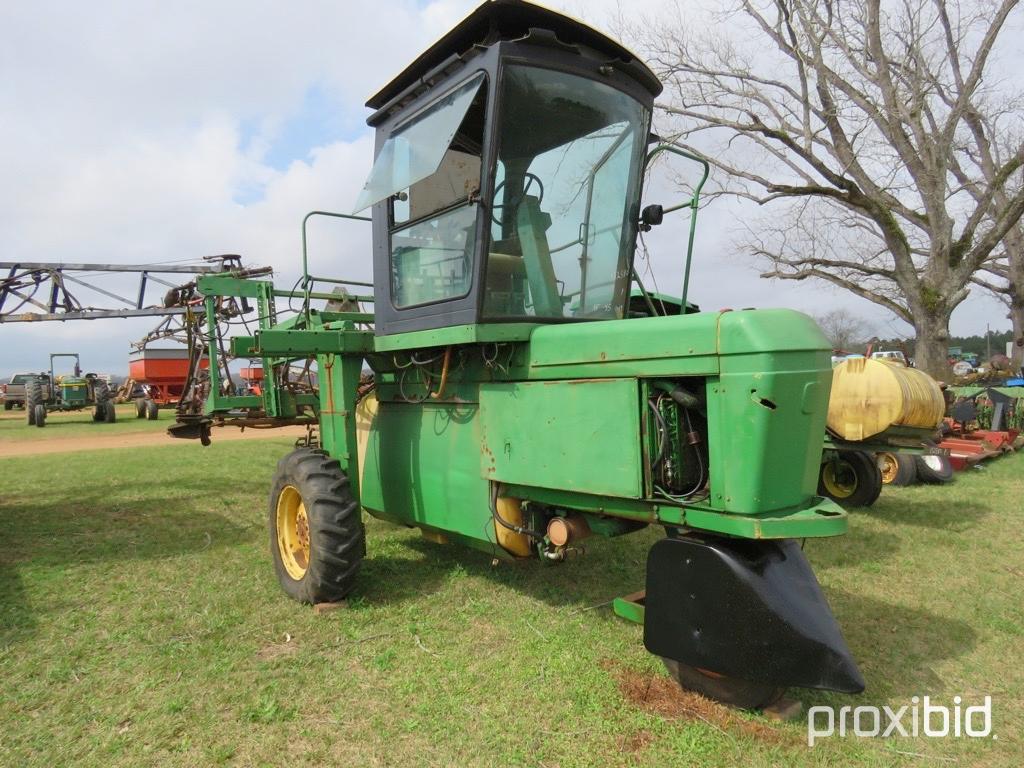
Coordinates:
(416, 149)
(568, 167)
(432, 260)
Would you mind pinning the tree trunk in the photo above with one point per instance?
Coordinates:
(1017, 318)
(931, 349)
(1015, 295)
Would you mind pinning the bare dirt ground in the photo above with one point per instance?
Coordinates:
(74, 443)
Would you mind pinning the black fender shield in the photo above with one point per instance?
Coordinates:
(750, 609)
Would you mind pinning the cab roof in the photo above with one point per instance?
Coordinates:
(497, 20)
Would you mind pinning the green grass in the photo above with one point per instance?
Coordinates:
(141, 624)
(78, 424)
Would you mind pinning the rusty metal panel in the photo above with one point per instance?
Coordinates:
(578, 435)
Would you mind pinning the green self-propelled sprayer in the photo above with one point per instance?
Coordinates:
(526, 391)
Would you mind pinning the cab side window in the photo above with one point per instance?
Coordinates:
(429, 169)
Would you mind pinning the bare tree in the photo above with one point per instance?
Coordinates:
(844, 329)
(1003, 273)
(860, 116)
(1003, 276)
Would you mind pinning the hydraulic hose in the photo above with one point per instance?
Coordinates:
(444, 375)
(505, 523)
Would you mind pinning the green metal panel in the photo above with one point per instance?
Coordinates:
(423, 466)
(630, 608)
(74, 391)
(635, 340)
(277, 342)
(456, 334)
(243, 346)
(664, 367)
(220, 285)
(581, 435)
(819, 517)
(648, 347)
(766, 411)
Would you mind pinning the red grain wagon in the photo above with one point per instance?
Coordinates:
(163, 372)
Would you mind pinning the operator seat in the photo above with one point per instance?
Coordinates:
(532, 225)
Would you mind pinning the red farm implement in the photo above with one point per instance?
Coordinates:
(164, 373)
(253, 378)
(983, 424)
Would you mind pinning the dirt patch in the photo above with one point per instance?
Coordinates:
(661, 695)
(276, 650)
(77, 443)
(635, 742)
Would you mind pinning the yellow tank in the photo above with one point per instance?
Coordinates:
(366, 410)
(872, 396)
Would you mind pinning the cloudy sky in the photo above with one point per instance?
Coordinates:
(153, 132)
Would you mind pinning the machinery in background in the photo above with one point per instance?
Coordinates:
(36, 291)
(42, 291)
(50, 392)
(983, 423)
(882, 418)
(163, 374)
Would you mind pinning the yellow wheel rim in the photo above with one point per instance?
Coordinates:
(840, 479)
(292, 532)
(889, 466)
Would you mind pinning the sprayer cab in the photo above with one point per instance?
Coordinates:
(509, 159)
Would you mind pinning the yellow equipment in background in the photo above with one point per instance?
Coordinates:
(871, 396)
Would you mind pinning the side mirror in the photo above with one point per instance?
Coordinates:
(651, 216)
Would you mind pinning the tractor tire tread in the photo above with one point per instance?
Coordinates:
(33, 394)
(906, 470)
(337, 535)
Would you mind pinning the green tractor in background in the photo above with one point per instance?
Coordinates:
(68, 392)
(517, 403)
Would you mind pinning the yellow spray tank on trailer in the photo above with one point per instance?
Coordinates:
(880, 411)
(872, 397)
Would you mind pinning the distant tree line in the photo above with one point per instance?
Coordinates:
(849, 332)
(968, 344)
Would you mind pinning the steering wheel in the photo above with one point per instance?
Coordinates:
(528, 181)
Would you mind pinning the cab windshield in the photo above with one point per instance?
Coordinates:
(565, 183)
